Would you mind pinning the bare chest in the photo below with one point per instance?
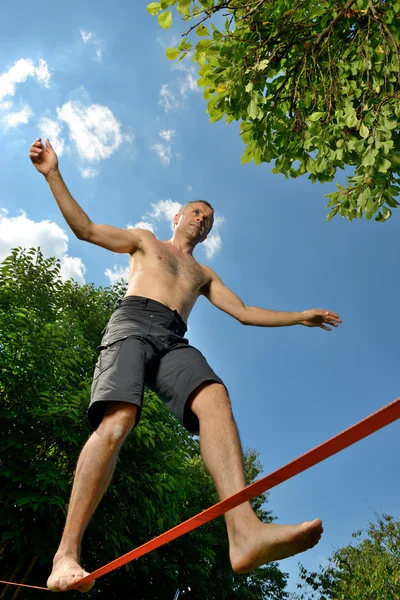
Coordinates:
(181, 268)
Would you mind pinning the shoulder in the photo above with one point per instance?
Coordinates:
(209, 277)
(143, 236)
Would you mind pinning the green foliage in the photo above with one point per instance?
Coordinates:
(314, 85)
(369, 570)
(49, 332)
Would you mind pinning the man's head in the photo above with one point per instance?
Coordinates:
(195, 219)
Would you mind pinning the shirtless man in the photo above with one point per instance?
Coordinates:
(144, 344)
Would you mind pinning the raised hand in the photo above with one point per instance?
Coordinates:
(320, 318)
(43, 157)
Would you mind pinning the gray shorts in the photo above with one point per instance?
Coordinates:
(143, 345)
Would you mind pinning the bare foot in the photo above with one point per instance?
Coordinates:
(65, 574)
(270, 542)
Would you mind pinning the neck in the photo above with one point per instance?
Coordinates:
(182, 244)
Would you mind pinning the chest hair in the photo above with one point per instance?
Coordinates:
(187, 269)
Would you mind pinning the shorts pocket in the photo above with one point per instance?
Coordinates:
(108, 353)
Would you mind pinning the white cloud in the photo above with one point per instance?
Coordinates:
(165, 210)
(167, 134)
(48, 128)
(117, 273)
(19, 73)
(86, 36)
(6, 105)
(72, 267)
(168, 99)
(213, 243)
(163, 152)
(53, 241)
(21, 117)
(94, 130)
(42, 73)
(143, 225)
(89, 173)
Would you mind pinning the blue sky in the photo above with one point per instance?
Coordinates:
(135, 140)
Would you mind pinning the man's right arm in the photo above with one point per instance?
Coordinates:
(112, 238)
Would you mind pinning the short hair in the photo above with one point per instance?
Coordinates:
(195, 202)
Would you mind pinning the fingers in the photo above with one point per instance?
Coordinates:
(36, 150)
(330, 317)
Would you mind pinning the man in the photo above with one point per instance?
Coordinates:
(144, 344)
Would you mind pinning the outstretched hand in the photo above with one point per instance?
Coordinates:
(326, 319)
(43, 157)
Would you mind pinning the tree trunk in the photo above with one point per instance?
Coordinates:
(4, 546)
(26, 575)
(14, 575)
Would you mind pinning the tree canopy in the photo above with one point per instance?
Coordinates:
(368, 570)
(315, 86)
(49, 333)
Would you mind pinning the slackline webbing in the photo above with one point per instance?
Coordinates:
(346, 438)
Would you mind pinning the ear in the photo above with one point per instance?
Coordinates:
(176, 219)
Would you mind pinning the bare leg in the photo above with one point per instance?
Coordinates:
(251, 542)
(93, 474)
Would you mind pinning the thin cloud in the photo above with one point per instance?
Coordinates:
(163, 152)
(98, 51)
(19, 73)
(167, 134)
(88, 36)
(53, 241)
(188, 84)
(168, 100)
(89, 173)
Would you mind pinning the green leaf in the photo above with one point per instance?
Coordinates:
(316, 116)
(262, 65)
(202, 31)
(172, 53)
(387, 213)
(364, 131)
(165, 19)
(252, 109)
(249, 87)
(154, 8)
(383, 165)
(368, 160)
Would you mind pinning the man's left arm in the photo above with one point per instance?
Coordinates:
(224, 299)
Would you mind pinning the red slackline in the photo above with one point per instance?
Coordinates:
(364, 428)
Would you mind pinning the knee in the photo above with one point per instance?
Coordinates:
(209, 398)
(118, 420)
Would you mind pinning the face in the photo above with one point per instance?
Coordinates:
(196, 221)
